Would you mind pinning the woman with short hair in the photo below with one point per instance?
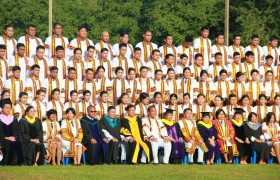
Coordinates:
(253, 131)
(72, 135)
(271, 132)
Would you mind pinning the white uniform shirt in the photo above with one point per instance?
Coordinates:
(153, 66)
(74, 44)
(154, 127)
(149, 50)
(58, 42)
(10, 46)
(8, 85)
(169, 50)
(107, 46)
(188, 51)
(22, 63)
(255, 89)
(268, 50)
(20, 110)
(224, 51)
(206, 49)
(239, 49)
(43, 69)
(43, 107)
(46, 130)
(258, 52)
(129, 52)
(58, 106)
(32, 44)
(5, 69)
(62, 67)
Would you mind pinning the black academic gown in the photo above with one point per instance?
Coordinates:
(207, 133)
(244, 149)
(86, 141)
(261, 148)
(10, 147)
(95, 153)
(113, 147)
(126, 131)
(30, 131)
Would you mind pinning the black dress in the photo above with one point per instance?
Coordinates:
(244, 149)
(10, 147)
(30, 131)
(113, 147)
(255, 130)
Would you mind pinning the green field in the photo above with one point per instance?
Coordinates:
(143, 172)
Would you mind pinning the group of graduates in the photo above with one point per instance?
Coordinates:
(123, 104)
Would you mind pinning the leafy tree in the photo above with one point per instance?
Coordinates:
(179, 18)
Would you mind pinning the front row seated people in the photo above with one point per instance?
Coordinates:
(133, 140)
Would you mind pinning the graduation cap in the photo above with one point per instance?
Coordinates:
(238, 111)
(204, 114)
(169, 111)
(5, 101)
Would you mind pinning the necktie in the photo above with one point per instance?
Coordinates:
(72, 123)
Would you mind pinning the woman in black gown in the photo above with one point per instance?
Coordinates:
(31, 136)
(242, 142)
(9, 134)
(253, 131)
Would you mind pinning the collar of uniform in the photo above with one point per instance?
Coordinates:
(53, 79)
(236, 63)
(71, 79)
(14, 78)
(147, 43)
(57, 36)
(89, 59)
(104, 103)
(152, 118)
(82, 39)
(33, 76)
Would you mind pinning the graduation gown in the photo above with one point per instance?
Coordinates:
(30, 131)
(192, 134)
(178, 146)
(244, 149)
(10, 147)
(133, 127)
(70, 129)
(208, 131)
(91, 129)
(254, 130)
(112, 128)
(228, 132)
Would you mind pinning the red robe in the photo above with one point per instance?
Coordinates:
(229, 131)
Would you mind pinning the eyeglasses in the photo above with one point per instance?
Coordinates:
(91, 111)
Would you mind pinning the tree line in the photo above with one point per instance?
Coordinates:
(176, 17)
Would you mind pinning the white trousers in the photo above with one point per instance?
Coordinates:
(167, 150)
(200, 153)
(123, 152)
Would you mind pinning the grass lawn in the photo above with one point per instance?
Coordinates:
(143, 172)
